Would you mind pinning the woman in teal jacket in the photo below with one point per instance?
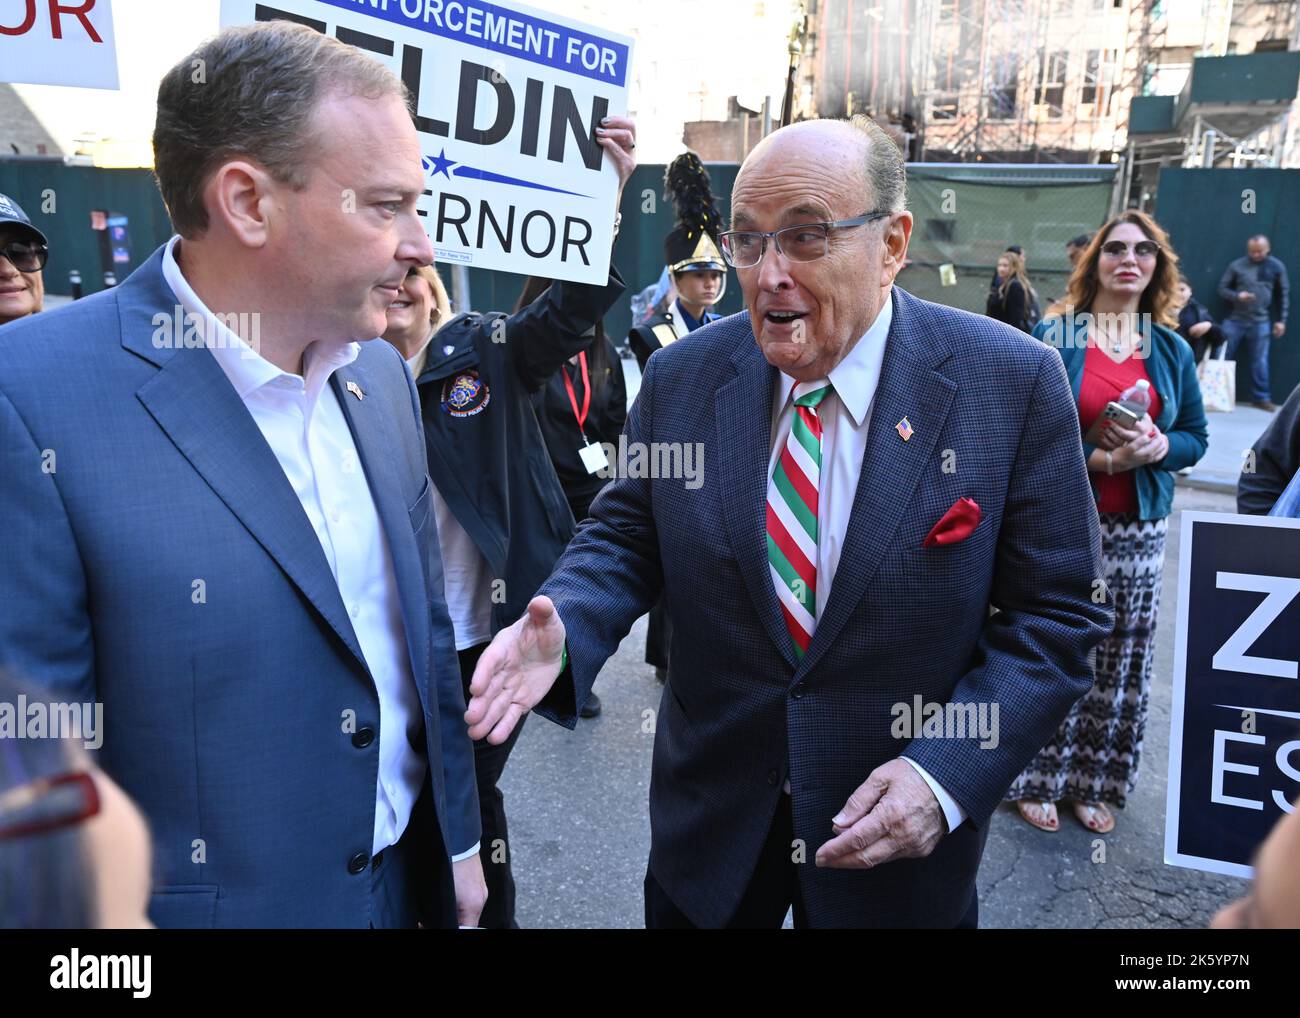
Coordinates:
(1113, 329)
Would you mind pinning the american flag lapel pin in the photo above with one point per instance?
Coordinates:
(904, 428)
(355, 389)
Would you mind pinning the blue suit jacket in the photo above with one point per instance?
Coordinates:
(993, 420)
(132, 473)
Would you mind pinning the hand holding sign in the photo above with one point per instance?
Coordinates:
(617, 136)
(512, 106)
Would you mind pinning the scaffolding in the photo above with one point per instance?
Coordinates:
(1007, 80)
(1142, 40)
(1037, 80)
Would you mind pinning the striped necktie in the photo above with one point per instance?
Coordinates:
(792, 515)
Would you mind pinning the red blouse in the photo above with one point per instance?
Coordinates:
(1103, 380)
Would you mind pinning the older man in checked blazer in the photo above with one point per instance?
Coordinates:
(878, 471)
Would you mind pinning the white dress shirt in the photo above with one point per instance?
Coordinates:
(844, 412)
(302, 422)
(466, 575)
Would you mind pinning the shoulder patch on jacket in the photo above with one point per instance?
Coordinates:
(664, 333)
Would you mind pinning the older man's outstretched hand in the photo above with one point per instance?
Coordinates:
(515, 672)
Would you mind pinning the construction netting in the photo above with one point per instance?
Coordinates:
(967, 215)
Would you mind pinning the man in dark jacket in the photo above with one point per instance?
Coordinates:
(1273, 461)
(1257, 288)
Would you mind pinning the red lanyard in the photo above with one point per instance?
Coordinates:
(586, 396)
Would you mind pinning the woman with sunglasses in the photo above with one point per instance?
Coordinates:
(23, 252)
(1115, 328)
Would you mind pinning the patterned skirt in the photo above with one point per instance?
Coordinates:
(1093, 757)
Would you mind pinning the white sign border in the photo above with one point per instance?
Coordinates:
(1190, 517)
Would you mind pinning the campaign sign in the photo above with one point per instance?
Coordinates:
(1234, 742)
(68, 43)
(507, 101)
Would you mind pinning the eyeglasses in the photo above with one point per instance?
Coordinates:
(804, 243)
(47, 805)
(1142, 249)
(27, 256)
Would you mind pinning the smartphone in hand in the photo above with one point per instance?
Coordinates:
(1118, 414)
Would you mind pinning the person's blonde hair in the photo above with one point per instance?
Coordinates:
(1161, 294)
(441, 313)
(1017, 263)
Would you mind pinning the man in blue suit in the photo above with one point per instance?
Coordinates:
(218, 512)
(843, 711)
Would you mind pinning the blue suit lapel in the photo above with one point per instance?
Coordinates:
(744, 435)
(373, 434)
(891, 467)
(193, 401)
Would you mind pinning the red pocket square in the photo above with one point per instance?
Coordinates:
(957, 524)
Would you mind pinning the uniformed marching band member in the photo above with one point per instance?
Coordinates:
(501, 513)
(699, 276)
(694, 262)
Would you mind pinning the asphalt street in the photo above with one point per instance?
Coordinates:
(581, 835)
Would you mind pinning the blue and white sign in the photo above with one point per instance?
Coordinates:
(507, 102)
(1234, 742)
(43, 43)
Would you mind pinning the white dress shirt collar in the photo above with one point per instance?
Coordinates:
(855, 378)
(245, 367)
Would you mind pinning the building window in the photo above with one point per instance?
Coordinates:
(1091, 67)
(944, 107)
(1052, 91)
(1098, 82)
(945, 83)
(945, 73)
(1005, 72)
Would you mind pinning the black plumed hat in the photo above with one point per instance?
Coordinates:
(693, 243)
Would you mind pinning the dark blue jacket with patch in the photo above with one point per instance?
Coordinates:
(486, 452)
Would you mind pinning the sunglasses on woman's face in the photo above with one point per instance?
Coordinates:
(26, 255)
(1118, 248)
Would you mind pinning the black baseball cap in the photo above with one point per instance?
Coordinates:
(12, 212)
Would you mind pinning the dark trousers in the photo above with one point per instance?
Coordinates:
(494, 851)
(404, 890)
(772, 890)
(1249, 342)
